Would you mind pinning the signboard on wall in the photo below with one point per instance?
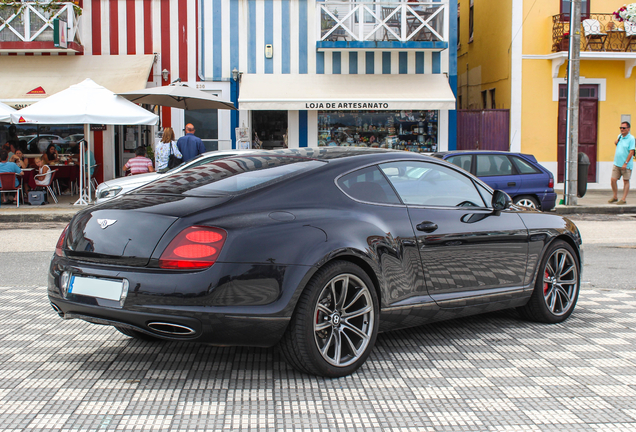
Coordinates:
(60, 33)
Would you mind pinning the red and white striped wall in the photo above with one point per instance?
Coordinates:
(128, 27)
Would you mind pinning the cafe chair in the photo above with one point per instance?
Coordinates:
(51, 184)
(7, 180)
(394, 22)
(630, 35)
(594, 36)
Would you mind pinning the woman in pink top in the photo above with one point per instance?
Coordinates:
(140, 164)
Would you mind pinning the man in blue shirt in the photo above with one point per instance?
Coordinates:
(623, 163)
(189, 145)
(9, 167)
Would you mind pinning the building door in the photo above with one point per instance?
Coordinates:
(271, 128)
(487, 129)
(588, 128)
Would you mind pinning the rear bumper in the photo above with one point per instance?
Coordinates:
(215, 329)
(548, 201)
(227, 304)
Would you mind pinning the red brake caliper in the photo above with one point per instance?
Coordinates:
(545, 284)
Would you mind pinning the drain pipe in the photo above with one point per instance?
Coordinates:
(201, 44)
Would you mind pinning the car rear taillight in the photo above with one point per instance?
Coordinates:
(551, 183)
(60, 243)
(196, 247)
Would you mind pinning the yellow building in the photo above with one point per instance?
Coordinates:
(513, 55)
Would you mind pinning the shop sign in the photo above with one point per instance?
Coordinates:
(98, 127)
(346, 105)
(37, 90)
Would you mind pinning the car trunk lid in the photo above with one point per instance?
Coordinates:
(127, 230)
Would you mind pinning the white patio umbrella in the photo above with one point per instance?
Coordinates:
(177, 95)
(85, 103)
(5, 113)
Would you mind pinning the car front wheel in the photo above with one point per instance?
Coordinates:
(335, 324)
(557, 287)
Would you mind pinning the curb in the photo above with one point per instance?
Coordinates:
(36, 217)
(603, 209)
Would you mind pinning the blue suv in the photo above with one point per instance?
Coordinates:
(519, 175)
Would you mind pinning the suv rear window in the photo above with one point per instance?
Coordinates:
(230, 176)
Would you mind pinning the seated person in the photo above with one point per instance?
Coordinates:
(140, 164)
(9, 167)
(19, 159)
(43, 177)
(50, 155)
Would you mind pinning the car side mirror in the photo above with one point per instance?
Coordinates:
(500, 200)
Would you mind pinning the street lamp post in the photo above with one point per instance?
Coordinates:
(572, 118)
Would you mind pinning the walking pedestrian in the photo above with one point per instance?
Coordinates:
(189, 145)
(623, 163)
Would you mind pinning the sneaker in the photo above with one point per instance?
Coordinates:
(621, 202)
(612, 201)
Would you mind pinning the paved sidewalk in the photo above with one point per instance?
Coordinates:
(594, 201)
(493, 372)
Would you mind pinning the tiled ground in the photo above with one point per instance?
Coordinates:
(492, 372)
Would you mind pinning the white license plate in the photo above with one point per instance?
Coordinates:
(100, 288)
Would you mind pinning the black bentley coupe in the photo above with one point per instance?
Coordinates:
(316, 250)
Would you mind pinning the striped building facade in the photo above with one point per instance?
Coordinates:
(203, 41)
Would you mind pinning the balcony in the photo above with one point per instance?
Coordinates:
(31, 27)
(382, 25)
(599, 32)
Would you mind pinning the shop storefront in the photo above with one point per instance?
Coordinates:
(402, 130)
(405, 112)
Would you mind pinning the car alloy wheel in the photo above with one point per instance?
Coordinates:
(335, 324)
(556, 288)
(527, 201)
(560, 281)
(344, 320)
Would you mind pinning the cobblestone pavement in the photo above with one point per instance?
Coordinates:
(490, 372)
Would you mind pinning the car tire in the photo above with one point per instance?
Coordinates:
(557, 287)
(335, 324)
(137, 334)
(527, 201)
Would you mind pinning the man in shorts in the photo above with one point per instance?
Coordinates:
(623, 163)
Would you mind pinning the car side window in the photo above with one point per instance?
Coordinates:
(489, 165)
(485, 194)
(369, 185)
(462, 161)
(524, 167)
(429, 184)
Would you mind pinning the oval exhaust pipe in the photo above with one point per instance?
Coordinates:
(57, 309)
(171, 329)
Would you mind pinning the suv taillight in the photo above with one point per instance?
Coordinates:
(551, 183)
(60, 243)
(196, 247)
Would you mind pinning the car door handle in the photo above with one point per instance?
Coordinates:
(512, 183)
(427, 226)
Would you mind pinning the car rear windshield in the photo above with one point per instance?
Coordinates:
(230, 176)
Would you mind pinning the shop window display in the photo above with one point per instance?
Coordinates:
(402, 130)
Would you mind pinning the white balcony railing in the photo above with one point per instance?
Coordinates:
(31, 21)
(369, 20)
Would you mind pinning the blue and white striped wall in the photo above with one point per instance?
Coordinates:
(233, 35)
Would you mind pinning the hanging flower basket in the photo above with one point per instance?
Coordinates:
(627, 13)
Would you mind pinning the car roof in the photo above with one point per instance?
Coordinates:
(459, 152)
(327, 153)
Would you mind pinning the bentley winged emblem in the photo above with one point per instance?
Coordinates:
(105, 223)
